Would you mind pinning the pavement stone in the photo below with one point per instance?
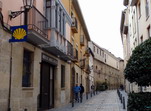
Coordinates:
(104, 101)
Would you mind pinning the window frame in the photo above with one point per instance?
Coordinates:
(147, 9)
(27, 76)
(62, 76)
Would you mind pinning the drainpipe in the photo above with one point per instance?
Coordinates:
(10, 79)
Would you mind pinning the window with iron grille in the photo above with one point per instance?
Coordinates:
(27, 69)
(62, 76)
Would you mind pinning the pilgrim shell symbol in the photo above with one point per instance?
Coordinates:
(19, 33)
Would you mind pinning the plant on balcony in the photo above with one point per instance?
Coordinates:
(138, 68)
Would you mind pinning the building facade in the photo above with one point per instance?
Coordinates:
(79, 39)
(40, 74)
(135, 28)
(35, 74)
(106, 67)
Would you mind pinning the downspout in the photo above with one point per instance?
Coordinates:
(10, 79)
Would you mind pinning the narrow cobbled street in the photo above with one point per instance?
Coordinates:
(104, 101)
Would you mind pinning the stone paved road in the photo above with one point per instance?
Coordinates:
(104, 101)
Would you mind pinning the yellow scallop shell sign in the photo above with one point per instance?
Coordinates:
(19, 33)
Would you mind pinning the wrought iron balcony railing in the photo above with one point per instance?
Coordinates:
(37, 22)
(74, 25)
(88, 69)
(69, 49)
(75, 55)
(82, 40)
(82, 64)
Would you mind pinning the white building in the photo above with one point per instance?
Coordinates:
(135, 28)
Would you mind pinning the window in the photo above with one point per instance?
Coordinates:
(148, 32)
(139, 9)
(64, 25)
(60, 25)
(134, 44)
(100, 52)
(62, 76)
(134, 23)
(56, 16)
(81, 55)
(71, 14)
(103, 54)
(147, 8)
(141, 39)
(130, 30)
(27, 69)
(48, 12)
(94, 48)
(77, 78)
(97, 50)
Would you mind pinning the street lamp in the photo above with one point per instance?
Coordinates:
(27, 6)
(28, 3)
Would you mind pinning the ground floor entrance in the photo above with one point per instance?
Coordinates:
(46, 86)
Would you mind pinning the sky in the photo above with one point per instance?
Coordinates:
(103, 18)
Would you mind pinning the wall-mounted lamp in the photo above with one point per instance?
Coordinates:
(27, 6)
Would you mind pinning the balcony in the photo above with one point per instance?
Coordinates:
(69, 49)
(37, 33)
(58, 46)
(82, 40)
(87, 52)
(125, 29)
(133, 2)
(74, 25)
(88, 70)
(125, 2)
(82, 64)
(75, 55)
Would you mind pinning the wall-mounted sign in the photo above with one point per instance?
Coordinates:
(49, 59)
(19, 33)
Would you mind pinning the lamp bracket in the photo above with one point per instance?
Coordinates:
(15, 14)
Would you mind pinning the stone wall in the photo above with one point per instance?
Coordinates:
(4, 69)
